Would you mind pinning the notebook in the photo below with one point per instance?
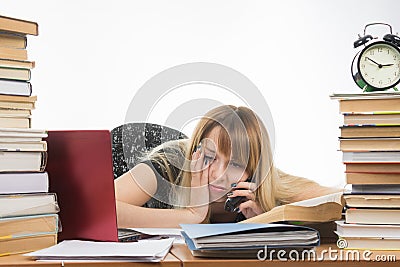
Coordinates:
(81, 174)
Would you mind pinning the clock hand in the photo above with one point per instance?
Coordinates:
(379, 65)
(387, 65)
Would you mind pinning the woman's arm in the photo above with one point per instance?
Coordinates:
(131, 216)
(135, 188)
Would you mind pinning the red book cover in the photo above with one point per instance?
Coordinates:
(81, 174)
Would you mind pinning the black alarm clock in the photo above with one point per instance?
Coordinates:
(376, 67)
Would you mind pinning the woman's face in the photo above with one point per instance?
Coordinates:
(223, 171)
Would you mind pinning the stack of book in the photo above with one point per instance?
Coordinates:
(28, 212)
(16, 101)
(370, 142)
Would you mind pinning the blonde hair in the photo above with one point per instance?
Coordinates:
(244, 135)
(170, 152)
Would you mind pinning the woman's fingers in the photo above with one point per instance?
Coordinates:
(195, 164)
(250, 208)
(196, 168)
(247, 204)
(204, 174)
(244, 189)
(246, 185)
(199, 183)
(244, 193)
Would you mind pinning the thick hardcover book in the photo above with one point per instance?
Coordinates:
(18, 25)
(372, 201)
(25, 182)
(10, 98)
(12, 40)
(17, 102)
(28, 204)
(370, 144)
(371, 157)
(20, 88)
(15, 74)
(23, 161)
(367, 230)
(15, 122)
(17, 105)
(375, 118)
(10, 122)
(14, 113)
(371, 168)
(26, 244)
(372, 216)
(370, 105)
(10, 135)
(375, 189)
(13, 53)
(373, 178)
(25, 226)
(368, 102)
(362, 131)
(22, 64)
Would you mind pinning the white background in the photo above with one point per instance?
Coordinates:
(92, 56)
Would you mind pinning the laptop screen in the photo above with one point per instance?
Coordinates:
(81, 174)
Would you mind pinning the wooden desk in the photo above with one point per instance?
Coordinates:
(183, 253)
(20, 260)
(180, 256)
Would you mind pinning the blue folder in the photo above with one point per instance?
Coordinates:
(196, 231)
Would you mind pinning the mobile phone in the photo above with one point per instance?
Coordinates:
(231, 203)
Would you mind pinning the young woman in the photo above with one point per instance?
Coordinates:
(188, 181)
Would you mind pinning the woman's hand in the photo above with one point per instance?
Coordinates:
(199, 194)
(250, 207)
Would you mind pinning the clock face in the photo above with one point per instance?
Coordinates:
(379, 65)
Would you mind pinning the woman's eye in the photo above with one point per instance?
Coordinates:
(236, 165)
(208, 158)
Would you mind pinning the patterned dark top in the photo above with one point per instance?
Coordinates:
(160, 199)
(131, 143)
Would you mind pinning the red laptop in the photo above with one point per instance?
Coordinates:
(81, 174)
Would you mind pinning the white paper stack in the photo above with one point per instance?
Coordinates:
(77, 250)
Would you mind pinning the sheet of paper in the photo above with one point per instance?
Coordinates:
(144, 250)
(163, 232)
(159, 231)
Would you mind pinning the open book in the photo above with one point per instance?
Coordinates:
(321, 209)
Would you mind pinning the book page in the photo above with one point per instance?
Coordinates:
(335, 197)
(365, 95)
